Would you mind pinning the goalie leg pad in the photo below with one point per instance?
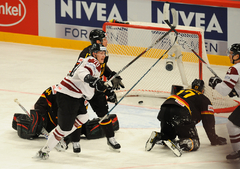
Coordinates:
(189, 144)
(14, 122)
(93, 130)
(23, 125)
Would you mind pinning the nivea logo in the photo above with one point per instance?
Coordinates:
(12, 12)
(90, 13)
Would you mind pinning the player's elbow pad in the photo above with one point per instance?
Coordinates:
(88, 78)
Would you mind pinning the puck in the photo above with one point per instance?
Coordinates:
(140, 102)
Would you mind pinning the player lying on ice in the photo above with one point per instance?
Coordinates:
(179, 115)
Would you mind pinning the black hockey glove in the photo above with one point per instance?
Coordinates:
(111, 95)
(213, 81)
(219, 141)
(116, 82)
(96, 83)
(233, 93)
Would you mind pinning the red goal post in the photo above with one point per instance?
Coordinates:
(126, 41)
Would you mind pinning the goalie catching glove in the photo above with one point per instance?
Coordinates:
(111, 95)
(96, 83)
(116, 82)
(213, 81)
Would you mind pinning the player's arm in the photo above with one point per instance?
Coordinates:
(44, 102)
(208, 121)
(226, 87)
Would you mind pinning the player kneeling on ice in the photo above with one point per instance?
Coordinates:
(230, 86)
(179, 115)
(72, 91)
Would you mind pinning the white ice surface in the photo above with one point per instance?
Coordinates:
(27, 70)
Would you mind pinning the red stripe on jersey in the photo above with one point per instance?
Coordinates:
(233, 81)
(77, 90)
(232, 71)
(89, 69)
(229, 84)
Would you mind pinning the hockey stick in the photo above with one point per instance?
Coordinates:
(185, 42)
(43, 131)
(143, 52)
(16, 100)
(172, 27)
(138, 81)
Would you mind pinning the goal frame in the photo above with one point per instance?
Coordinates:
(162, 29)
(179, 29)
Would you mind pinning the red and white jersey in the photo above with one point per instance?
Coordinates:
(230, 81)
(74, 85)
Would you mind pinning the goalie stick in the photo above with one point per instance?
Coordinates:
(175, 149)
(43, 131)
(172, 27)
(61, 146)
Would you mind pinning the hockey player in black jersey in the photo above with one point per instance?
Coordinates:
(180, 113)
(99, 101)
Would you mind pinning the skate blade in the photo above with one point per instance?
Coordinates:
(114, 150)
(149, 145)
(233, 160)
(40, 158)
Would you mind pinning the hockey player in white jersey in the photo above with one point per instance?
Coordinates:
(72, 91)
(230, 85)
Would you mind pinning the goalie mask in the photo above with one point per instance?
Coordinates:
(198, 84)
(235, 48)
(97, 34)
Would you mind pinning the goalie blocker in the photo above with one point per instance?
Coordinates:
(30, 128)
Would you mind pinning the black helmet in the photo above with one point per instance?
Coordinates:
(198, 84)
(235, 48)
(96, 34)
(97, 47)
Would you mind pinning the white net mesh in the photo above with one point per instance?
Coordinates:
(127, 41)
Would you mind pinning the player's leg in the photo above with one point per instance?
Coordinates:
(233, 126)
(100, 107)
(185, 129)
(188, 137)
(67, 111)
(167, 131)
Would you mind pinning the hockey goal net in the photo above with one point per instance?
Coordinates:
(127, 41)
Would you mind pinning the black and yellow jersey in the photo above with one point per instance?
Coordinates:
(196, 102)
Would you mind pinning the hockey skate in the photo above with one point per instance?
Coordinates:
(113, 144)
(234, 156)
(61, 146)
(76, 147)
(174, 147)
(152, 141)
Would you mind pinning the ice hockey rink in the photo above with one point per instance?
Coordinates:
(27, 70)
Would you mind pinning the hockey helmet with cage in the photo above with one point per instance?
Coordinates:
(96, 34)
(97, 47)
(198, 84)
